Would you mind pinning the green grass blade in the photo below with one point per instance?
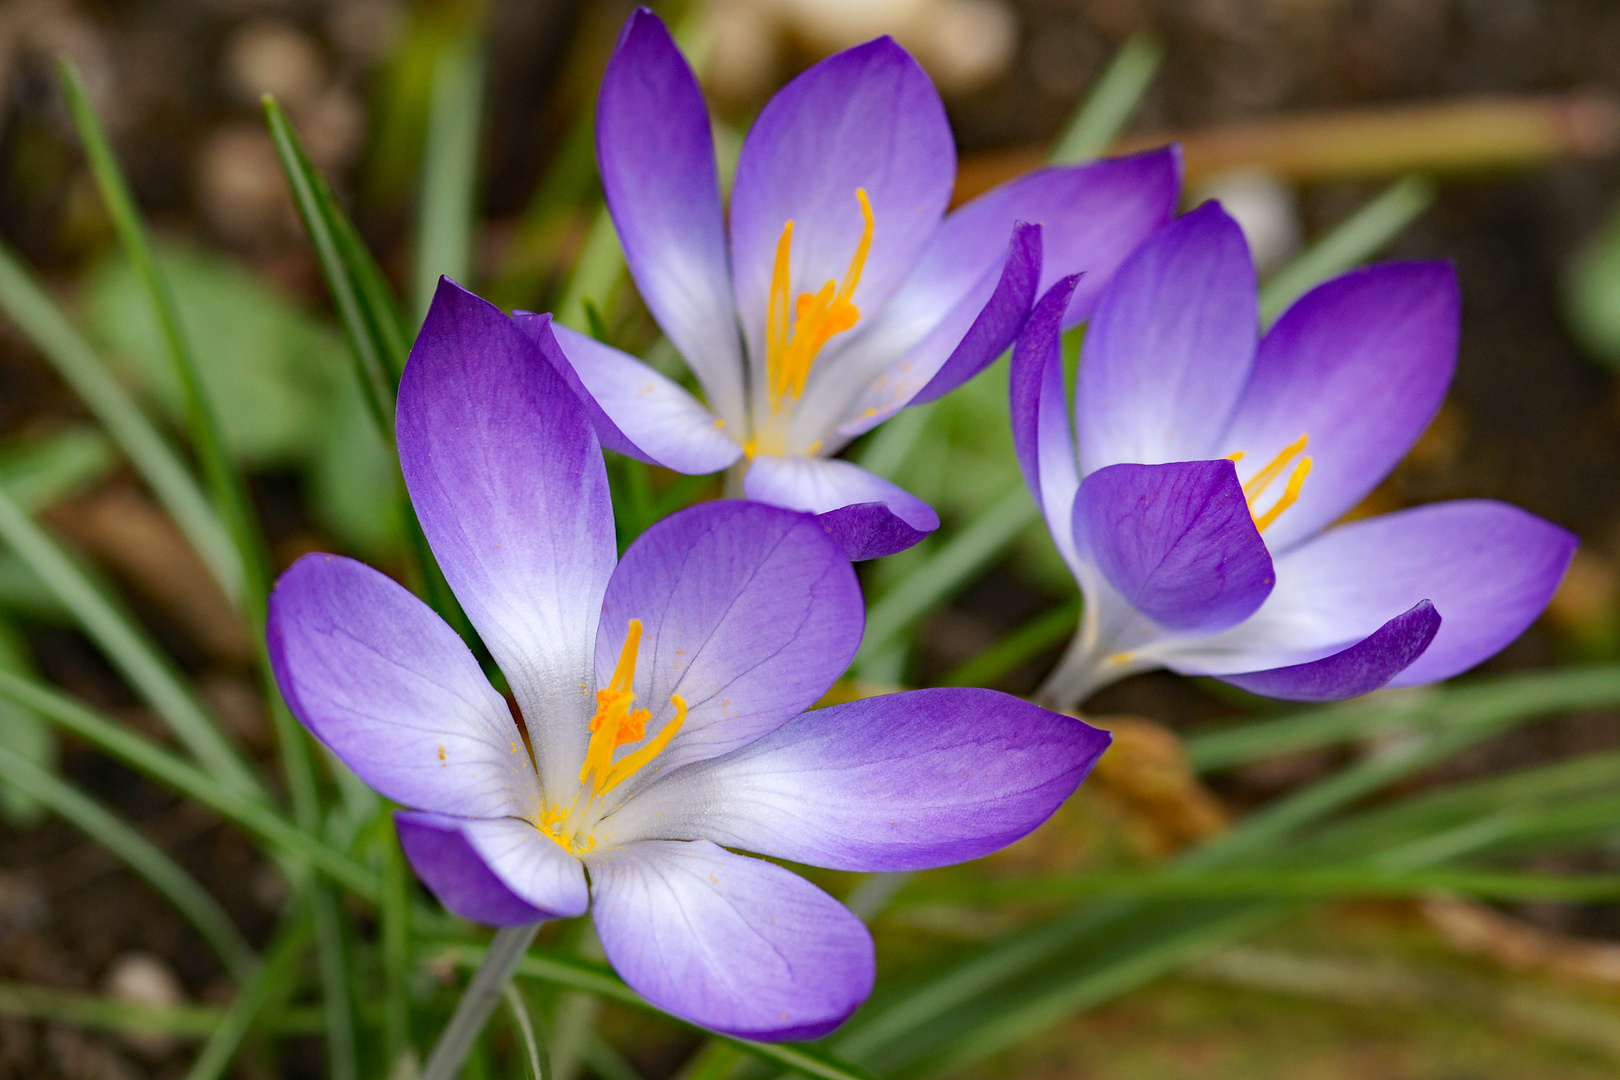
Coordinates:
(225, 486)
(139, 853)
(1111, 102)
(1353, 241)
(1505, 696)
(396, 949)
(948, 569)
(364, 319)
(596, 273)
(50, 1004)
(341, 1063)
(278, 969)
(32, 309)
(1280, 882)
(577, 974)
(139, 659)
(450, 167)
(246, 811)
(22, 731)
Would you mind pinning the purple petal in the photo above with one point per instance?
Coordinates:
(998, 322)
(374, 674)
(508, 481)
(1040, 416)
(1360, 365)
(453, 872)
(635, 410)
(865, 118)
(1364, 666)
(656, 157)
(1177, 542)
(1093, 216)
(865, 513)
(531, 864)
(1488, 568)
(729, 943)
(902, 782)
(749, 613)
(1169, 350)
(869, 531)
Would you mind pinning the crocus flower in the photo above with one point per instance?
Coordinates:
(661, 703)
(1195, 512)
(841, 293)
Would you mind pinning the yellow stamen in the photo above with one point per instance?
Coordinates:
(616, 724)
(1289, 495)
(1265, 476)
(1273, 469)
(816, 316)
(626, 766)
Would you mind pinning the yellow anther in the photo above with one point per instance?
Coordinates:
(1289, 495)
(626, 766)
(1274, 469)
(816, 317)
(616, 724)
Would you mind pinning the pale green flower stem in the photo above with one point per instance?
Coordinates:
(483, 994)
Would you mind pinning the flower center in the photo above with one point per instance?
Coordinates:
(615, 724)
(814, 317)
(1273, 469)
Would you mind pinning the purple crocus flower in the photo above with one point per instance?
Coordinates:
(1195, 512)
(841, 293)
(661, 703)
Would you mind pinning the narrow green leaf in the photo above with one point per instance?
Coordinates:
(225, 485)
(154, 459)
(1505, 696)
(1351, 242)
(1112, 100)
(278, 969)
(1285, 882)
(596, 979)
(149, 670)
(22, 731)
(331, 959)
(364, 321)
(396, 948)
(236, 806)
(52, 1004)
(139, 853)
(450, 167)
(948, 569)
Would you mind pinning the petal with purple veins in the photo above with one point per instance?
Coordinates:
(1363, 667)
(868, 515)
(1177, 542)
(1359, 366)
(531, 864)
(1168, 352)
(453, 872)
(732, 944)
(636, 410)
(656, 157)
(956, 350)
(1040, 417)
(749, 613)
(900, 782)
(1488, 568)
(508, 481)
(379, 678)
(866, 118)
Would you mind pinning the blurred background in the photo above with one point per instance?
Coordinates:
(1485, 132)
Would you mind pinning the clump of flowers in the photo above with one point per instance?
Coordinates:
(841, 291)
(1196, 496)
(662, 701)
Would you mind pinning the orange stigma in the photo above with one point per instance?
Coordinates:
(815, 317)
(1274, 468)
